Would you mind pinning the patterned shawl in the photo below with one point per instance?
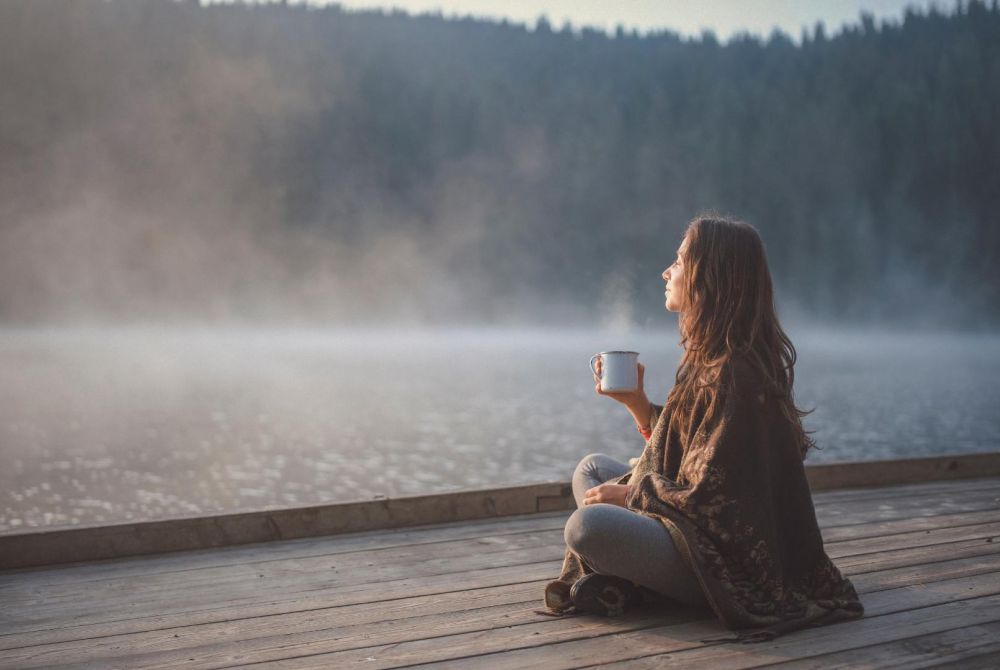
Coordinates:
(737, 504)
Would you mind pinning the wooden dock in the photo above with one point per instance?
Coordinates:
(925, 558)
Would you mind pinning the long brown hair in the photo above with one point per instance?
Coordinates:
(729, 311)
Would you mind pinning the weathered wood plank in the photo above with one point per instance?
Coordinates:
(934, 504)
(362, 566)
(193, 595)
(457, 612)
(247, 641)
(263, 552)
(454, 584)
(949, 615)
(912, 653)
(882, 569)
(664, 646)
(925, 573)
(385, 613)
(581, 641)
(382, 583)
(290, 578)
(901, 559)
(858, 531)
(906, 490)
(989, 661)
(912, 556)
(920, 538)
(902, 471)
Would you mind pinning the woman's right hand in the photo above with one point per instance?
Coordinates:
(631, 399)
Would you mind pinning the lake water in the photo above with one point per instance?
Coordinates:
(107, 426)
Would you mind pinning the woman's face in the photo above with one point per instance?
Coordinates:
(673, 275)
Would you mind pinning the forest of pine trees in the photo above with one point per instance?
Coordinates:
(278, 160)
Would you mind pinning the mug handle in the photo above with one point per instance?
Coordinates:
(592, 359)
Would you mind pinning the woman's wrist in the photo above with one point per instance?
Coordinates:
(642, 412)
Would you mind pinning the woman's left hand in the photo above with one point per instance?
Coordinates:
(613, 494)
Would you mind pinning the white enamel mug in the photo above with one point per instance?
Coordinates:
(619, 370)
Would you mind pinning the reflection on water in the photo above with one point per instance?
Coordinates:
(104, 426)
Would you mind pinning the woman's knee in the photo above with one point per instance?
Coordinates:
(589, 463)
(590, 526)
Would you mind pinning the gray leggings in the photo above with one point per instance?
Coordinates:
(617, 541)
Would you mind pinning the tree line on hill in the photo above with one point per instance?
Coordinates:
(167, 158)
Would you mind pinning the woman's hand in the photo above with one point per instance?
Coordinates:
(613, 494)
(636, 401)
(627, 398)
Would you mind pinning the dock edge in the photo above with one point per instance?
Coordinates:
(39, 547)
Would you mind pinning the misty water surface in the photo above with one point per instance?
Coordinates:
(102, 426)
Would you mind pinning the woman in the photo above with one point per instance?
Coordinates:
(717, 511)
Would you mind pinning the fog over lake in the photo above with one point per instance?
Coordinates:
(300, 170)
(113, 425)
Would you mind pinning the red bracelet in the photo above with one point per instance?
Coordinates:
(646, 432)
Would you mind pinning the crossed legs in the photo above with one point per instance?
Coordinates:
(617, 541)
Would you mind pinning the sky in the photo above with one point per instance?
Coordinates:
(688, 17)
